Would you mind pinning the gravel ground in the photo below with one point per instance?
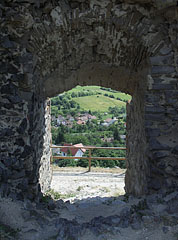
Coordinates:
(78, 184)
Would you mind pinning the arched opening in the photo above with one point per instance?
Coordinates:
(120, 46)
(91, 116)
(48, 47)
(125, 81)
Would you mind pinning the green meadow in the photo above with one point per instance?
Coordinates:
(98, 103)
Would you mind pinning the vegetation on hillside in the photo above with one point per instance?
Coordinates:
(102, 103)
(82, 99)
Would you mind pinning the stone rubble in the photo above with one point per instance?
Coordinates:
(144, 218)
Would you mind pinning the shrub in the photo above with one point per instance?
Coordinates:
(67, 163)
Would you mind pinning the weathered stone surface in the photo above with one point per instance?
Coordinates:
(47, 47)
(156, 215)
(162, 70)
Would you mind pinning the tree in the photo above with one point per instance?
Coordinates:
(60, 135)
(73, 95)
(67, 163)
(116, 134)
(82, 163)
(60, 138)
(72, 104)
(73, 113)
(54, 134)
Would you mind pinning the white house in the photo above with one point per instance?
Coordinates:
(76, 150)
(61, 120)
(109, 121)
(123, 137)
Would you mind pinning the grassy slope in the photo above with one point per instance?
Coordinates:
(121, 95)
(98, 103)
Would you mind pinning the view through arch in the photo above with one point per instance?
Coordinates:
(121, 45)
(48, 47)
(95, 117)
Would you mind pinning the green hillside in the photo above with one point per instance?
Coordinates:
(98, 103)
(97, 89)
(92, 105)
(93, 98)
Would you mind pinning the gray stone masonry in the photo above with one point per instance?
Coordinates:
(47, 47)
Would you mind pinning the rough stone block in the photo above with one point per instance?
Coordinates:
(163, 86)
(154, 109)
(155, 145)
(161, 60)
(155, 184)
(175, 150)
(27, 151)
(155, 117)
(165, 50)
(22, 126)
(162, 70)
(153, 132)
(161, 154)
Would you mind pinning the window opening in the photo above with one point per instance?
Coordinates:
(93, 117)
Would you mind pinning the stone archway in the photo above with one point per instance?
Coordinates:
(49, 47)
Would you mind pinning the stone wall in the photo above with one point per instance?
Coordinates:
(161, 115)
(136, 179)
(48, 47)
(45, 172)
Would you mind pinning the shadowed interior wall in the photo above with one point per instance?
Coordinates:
(48, 47)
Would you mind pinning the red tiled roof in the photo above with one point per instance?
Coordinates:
(93, 117)
(80, 122)
(108, 119)
(80, 145)
(73, 150)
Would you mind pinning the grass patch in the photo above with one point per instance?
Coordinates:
(98, 103)
(79, 188)
(56, 195)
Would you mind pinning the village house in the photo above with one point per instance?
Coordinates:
(123, 137)
(61, 120)
(107, 140)
(80, 122)
(68, 121)
(85, 117)
(92, 117)
(70, 118)
(69, 124)
(109, 121)
(75, 151)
